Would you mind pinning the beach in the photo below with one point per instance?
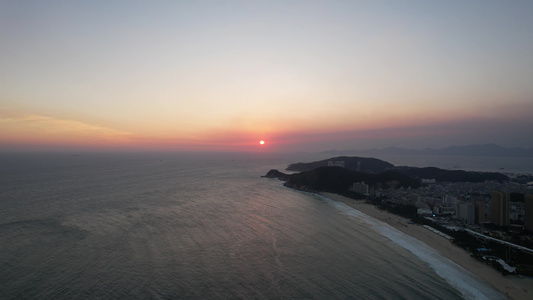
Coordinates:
(511, 286)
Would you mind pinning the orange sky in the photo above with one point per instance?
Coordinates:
(302, 75)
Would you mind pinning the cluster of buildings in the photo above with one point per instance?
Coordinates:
(466, 203)
(500, 211)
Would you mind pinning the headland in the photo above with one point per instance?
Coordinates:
(420, 194)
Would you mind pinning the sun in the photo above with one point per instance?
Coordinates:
(261, 142)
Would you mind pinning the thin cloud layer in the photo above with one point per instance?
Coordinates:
(304, 74)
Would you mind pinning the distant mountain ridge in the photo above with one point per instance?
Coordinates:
(470, 150)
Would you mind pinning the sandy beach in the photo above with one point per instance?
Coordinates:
(513, 287)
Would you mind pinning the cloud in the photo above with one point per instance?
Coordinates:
(29, 128)
(507, 124)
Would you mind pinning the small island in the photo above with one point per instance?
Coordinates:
(449, 210)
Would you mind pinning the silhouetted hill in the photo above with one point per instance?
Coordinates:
(338, 179)
(331, 179)
(377, 166)
(362, 164)
(276, 174)
(441, 175)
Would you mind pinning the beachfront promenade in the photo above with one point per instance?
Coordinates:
(499, 241)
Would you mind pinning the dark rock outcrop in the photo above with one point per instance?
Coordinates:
(276, 174)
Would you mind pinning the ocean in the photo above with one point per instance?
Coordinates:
(501, 164)
(199, 226)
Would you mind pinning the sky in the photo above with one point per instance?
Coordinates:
(300, 75)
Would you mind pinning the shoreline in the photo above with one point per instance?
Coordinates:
(512, 287)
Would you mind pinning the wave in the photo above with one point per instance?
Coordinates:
(461, 279)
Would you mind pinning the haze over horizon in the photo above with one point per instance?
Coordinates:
(300, 75)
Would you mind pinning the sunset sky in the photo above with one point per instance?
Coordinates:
(300, 75)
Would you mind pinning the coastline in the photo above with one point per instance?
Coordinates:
(512, 287)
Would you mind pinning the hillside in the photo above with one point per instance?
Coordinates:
(441, 175)
(377, 166)
(354, 163)
(339, 180)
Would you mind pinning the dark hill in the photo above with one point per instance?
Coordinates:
(331, 179)
(362, 164)
(376, 166)
(441, 175)
(339, 180)
(276, 174)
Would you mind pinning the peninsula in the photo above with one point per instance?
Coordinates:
(415, 200)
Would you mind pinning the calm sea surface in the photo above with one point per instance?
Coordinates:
(522, 165)
(198, 226)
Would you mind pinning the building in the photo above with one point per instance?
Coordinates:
(528, 212)
(466, 213)
(479, 206)
(360, 187)
(499, 208)
(424, 212)
(449, 200)
(336, 163)
(447, 210)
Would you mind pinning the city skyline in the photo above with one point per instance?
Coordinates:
(300, 75)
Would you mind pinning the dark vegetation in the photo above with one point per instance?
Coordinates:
(490, 251)
(339, 180)
(375, 166)
(362, 164)
(276, 174)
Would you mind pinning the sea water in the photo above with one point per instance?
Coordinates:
(467, 283)
(502, 164)
(198, 226)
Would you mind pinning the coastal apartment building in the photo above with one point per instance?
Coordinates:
(466, 212)
(479, 211)
(499, 210)
(528, 212)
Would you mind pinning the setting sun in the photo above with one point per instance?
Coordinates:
(262, 142)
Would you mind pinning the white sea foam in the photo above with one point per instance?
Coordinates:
(458, 277)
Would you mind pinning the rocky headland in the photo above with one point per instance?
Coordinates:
(378, 174)
(335, 178)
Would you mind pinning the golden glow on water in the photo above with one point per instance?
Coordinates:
(200, 225)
